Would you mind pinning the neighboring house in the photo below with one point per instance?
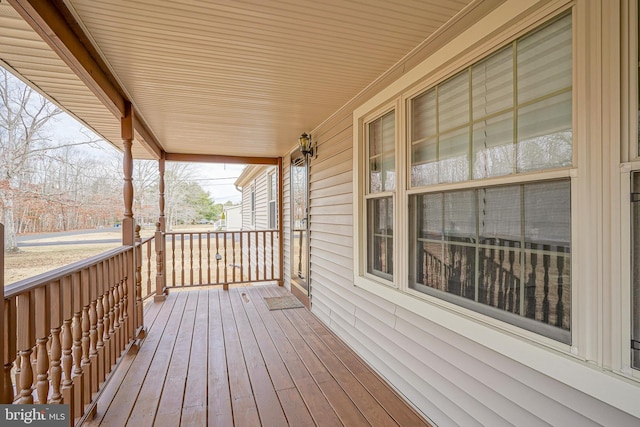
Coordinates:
(232, 217)
(259, 186)
(469, 224)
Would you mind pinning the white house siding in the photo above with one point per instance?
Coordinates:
(257, 260)
(450, 378)
(286, 219)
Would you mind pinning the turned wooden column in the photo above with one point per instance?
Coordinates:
(161, 282)
(127, 164)
(161, 219)
(128, 223)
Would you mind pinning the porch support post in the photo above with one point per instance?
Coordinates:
(161, 219)
(128, 236)
(128, 223)
(161, 281)
(280, 227)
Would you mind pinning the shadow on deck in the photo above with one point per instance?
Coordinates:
(221, 358)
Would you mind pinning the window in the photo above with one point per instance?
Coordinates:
(381, 185)
(272, 194)
(487, 186)
(504, 251)
(479, 124)
(635, 222)
(635, 287)
(253, 205)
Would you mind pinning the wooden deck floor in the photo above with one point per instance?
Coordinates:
(221, 358)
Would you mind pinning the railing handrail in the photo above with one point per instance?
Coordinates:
(223, 257)
(146, 240)
(35, 282)
(266, 230)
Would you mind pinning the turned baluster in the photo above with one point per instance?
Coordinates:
(42, 330)
(26, 337)
(115, 294)
(560, 304)
(138, 278)
(106, 320)
(113, 322)
(56, 370)
(76, 330)
(546, 263)
(108, 326)
(160, 265)
(18, 362)
(93, 329)
(85, 340)
(67, 358)
(10, 350)
(56, 320)
(42, 386)
(100, 324)
(124, 300)
(26, 377)
(113, 342)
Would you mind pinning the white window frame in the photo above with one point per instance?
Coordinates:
(364, 195)
(630, 163)
(397, 96)
(272, 198)
(252, 201)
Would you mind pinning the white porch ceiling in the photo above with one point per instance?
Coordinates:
(238, 78)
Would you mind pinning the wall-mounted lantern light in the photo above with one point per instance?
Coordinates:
(306, 145)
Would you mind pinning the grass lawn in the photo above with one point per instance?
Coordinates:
(34, 260)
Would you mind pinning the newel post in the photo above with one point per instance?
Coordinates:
(128, 223)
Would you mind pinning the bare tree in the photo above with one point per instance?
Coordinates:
(25, 145)
(24, 116)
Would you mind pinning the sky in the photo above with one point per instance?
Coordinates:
(217, 179)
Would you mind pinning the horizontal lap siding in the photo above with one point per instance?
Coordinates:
(447, 377)
(451, 379)
(286, 219)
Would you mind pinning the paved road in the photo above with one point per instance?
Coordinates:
(27, 240)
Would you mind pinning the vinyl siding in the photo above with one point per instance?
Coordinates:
(259, 260)
(286, 219)
(449, 378)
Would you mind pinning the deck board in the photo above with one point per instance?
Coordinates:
(221, 358)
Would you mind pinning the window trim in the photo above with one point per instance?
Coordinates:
(252, 207)
(398, 95)
(272, 198)
(629, 163)
(362, 193)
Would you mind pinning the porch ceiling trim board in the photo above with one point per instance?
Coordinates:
(55, 24)
(212, 158)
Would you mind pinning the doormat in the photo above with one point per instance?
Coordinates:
(281, 303)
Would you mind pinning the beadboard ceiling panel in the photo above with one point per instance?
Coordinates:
(238, 78)
(24, 53)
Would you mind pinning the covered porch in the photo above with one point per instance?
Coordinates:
(222, 358)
